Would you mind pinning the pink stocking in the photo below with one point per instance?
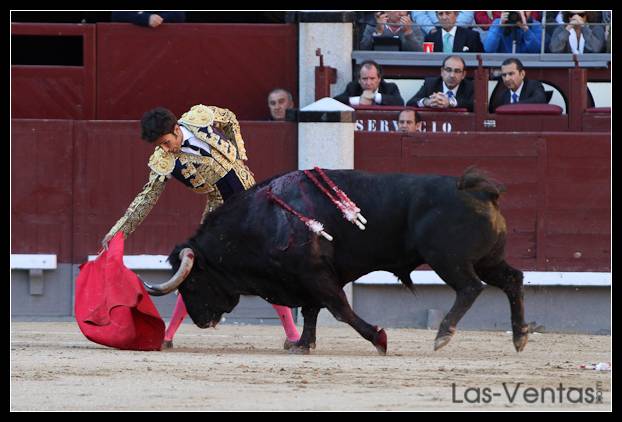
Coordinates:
(285, 315)
(178, 316)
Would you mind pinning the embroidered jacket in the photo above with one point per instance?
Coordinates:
(218, 128)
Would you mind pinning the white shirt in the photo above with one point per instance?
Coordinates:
(193, 140)
(517, 92)
(354, 101)
(453, 102)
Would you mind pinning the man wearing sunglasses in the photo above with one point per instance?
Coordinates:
(449, 90)
(576, 36)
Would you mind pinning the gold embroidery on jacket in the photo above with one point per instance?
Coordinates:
(202, 171)
(141, 205)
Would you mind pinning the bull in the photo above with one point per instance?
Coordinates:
(251, 246)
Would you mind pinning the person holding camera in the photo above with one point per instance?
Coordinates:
(515, 32)
(576, 36)
(393, 23)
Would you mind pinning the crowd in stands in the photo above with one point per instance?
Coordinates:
(491, 31)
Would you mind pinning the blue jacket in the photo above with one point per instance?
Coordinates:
(526, 41)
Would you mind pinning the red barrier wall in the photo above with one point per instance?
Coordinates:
(88, 172)
(55, 92)
(129, 69)
(558, 187)
(41, 187)
(557, 205)
(233, 66)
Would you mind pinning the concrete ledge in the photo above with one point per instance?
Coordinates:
(411, 58)
(33, 261)
(143, 262)
(531, 278)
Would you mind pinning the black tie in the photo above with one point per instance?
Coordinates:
(196, 148)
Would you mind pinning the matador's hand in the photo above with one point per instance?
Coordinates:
(107, 239)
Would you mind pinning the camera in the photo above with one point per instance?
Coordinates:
(513, 17)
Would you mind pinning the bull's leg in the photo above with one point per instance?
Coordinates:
(510, 280)
(340, 308)
(464, 281)
(307, 339)
(291, 332)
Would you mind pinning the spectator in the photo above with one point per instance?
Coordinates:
(451, 38)
(517, 38)
(517, 88)
(483, 20)
(279, 100)
(394, 23)
(370, 88)
(576, 36)
(151, 19)
(428, 20)
(448, 90)
(407, 121)
(607, 20)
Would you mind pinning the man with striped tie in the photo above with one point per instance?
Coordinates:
(203, 150)
(449, 90)
(516, 87)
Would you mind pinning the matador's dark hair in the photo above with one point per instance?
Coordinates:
(156, 123)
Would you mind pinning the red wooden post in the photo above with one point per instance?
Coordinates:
(577, 96)
(325, 76)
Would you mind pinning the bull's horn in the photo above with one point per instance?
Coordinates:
(187, 259)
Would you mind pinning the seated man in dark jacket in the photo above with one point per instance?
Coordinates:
(516, 89)
(450, 89)
(451, 38)
(370, 89)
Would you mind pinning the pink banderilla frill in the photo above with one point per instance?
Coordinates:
(313, 225)
(348, 208)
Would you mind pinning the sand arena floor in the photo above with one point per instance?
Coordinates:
(243, 367)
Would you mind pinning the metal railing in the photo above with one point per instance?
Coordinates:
(542, 23)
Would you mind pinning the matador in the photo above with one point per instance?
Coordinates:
(205, 151)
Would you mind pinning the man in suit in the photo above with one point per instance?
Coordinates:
(451, 38)
(450, 89)
(516, 89)
(370, 89)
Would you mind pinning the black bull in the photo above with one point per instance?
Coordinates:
(252, 246)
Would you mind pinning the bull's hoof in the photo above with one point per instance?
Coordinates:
(381, 342)
(299, 350)
(520, 342)
(442, 341)
(289, 344)
(167, 344)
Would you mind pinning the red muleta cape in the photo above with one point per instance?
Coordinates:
(112, 306)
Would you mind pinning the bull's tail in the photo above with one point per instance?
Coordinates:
(477, 182)
(404, 277)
